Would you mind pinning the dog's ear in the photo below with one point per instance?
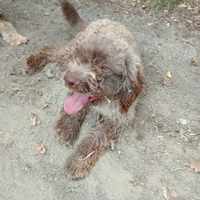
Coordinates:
(135, 83)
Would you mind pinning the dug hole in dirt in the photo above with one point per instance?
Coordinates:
(156, 158)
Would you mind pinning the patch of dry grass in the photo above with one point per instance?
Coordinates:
(161, 4)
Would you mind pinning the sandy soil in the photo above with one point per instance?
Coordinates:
(150, 160)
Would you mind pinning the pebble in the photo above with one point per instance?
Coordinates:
(119, 152)
(40, 141)
(40, 93)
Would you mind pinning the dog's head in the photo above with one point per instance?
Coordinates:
(106, 66)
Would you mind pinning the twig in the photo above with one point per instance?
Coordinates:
(14, 153)
(107, 99)
(182, 40)
(88, 155)
(22, 89)
(181, 169)
(164, 153)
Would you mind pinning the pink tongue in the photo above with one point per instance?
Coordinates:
(76, 102)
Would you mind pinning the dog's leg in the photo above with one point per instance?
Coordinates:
(9, 33)
(68, 126)
(45, 55)
(92, 146)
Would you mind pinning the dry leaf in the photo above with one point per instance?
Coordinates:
(165, 81)
(116, 11)
(194, 62)
(182, 40)
(144, 6)
(189, 7)
(197, 25)
(165, 192)
(139, 136)
(40, 148)
(167, 24)
(182, 6)
(169, 74)
(23, 72)
(196, 10)
(38, 24)
(189, 21)
(173, 193)
(112, 144)
(195, 165)
(45, 105)
(34, 121)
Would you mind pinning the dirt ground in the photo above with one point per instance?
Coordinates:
(150, 159)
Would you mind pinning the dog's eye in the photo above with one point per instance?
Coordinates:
(105, 68)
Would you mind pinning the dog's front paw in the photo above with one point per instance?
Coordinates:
(16, 39)
(67, 129)
(77, 168)
(66, 135)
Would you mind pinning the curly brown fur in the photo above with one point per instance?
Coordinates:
(103, 60)
(45, 55)
(36, 63)
(81, 162)
(128, 98)
(68, 126)
(9, 33)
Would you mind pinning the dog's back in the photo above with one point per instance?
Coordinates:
(102, 27)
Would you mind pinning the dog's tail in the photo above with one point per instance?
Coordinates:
(71, 15)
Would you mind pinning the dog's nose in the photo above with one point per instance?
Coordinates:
(72, 81)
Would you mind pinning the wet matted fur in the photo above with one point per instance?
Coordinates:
(102, 61)
(8, 32)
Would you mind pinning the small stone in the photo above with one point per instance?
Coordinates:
(119, 152)
(40, 93)
(181, 131)
(40, 141)
(44, 176)
(177, 129)
(182, 121)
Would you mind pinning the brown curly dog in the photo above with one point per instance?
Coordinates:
(103, 69)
